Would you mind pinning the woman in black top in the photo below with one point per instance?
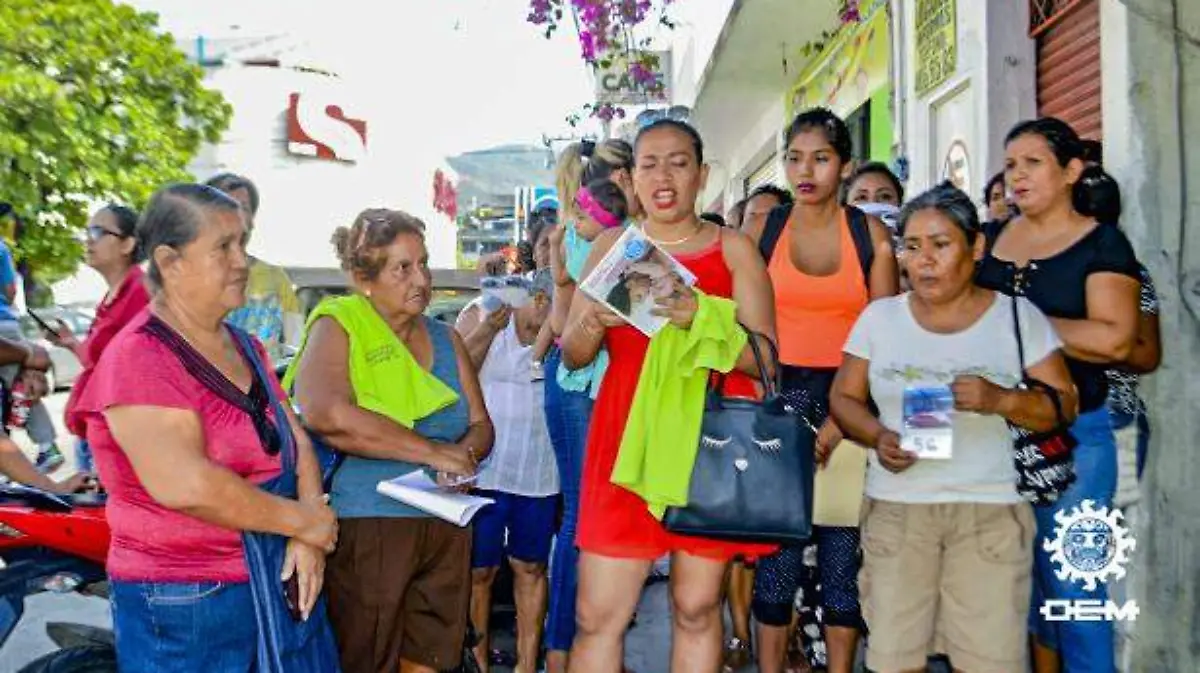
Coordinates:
(1084, 276)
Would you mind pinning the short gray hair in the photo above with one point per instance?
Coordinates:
(950, 201)
(174, 217)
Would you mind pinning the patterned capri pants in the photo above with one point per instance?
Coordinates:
(819, 579)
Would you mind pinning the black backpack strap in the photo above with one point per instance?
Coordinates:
(773, 229)
(860, 231)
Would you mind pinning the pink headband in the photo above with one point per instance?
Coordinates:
(592, 208)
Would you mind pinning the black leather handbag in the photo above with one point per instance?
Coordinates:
(753, 476)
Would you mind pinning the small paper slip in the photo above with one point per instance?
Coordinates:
(418, 490)
(928, 422)
(632, 276)
(838, 487)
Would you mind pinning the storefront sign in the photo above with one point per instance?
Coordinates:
(849, 71)
(320, 128)
(937, 43)
(957, 166)
(620, 85)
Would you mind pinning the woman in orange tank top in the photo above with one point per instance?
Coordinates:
(618, 537)
(822, 282)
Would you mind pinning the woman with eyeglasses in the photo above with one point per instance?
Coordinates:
(181, 414)
(112, 250)
(394, 391)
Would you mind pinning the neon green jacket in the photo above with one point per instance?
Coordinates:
(658, 449)
(386, 378)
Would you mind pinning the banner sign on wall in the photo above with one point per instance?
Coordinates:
(937, 43)
(849, 71)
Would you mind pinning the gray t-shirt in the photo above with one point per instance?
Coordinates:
(903, 355)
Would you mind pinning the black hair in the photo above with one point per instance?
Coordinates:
(231, 182)
(610, 197)
(991, 184)
(782, 195)
(619, 298)
(174, 218)
(1067, 146)
(715, 218)
(876, 168)
(127, 220)
(683, 127)
(823, 120)
(1093, 151)
(950, 201)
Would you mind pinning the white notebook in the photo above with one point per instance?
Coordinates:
(418, 490)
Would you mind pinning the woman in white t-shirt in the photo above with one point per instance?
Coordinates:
(947, 540)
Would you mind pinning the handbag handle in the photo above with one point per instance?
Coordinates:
(1028, 380)
(771, 386)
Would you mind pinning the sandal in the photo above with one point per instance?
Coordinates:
(737, 655)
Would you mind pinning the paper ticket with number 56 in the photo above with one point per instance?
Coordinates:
(928, 422)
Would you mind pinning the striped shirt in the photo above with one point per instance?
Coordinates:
(522, 461)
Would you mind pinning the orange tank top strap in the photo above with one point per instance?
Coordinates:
(814, 314)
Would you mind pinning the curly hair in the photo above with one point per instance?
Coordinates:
(360, 246)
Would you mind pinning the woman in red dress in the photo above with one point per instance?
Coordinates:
(618, 537)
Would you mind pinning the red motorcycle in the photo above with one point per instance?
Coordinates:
(58, 544)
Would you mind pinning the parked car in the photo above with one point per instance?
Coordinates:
(65, 366)
(453, 289)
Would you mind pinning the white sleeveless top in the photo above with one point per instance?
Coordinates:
(522, 461)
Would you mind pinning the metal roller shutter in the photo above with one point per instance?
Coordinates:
(1068, 62)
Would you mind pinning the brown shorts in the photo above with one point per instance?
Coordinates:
(949, 577)
(399, 588)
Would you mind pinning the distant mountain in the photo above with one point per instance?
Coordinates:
(491, 175)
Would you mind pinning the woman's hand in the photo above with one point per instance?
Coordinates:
(320, 528)
(36, 385)
(62, 336)
(828, 437)
(891, 456)
(498, 319)
(307, 563)
(976, 394)
(679, 308)
(455, 459)
(74, 484)
(558, 257)
(600, 318)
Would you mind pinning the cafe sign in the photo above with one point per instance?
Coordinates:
(619, 83)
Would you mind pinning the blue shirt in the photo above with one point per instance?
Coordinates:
(8, 276)
(353, 493)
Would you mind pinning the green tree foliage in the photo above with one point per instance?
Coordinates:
(95, 104)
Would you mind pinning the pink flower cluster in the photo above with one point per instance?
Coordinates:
(604, 25)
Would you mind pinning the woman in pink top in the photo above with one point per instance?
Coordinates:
(183, 435)
(112, 251)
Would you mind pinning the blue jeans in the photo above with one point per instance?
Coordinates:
(567, 417)
(184, 627)
(1084, 646)
(1122, 420)
(84, 461)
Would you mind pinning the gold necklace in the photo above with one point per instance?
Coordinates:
(685, 239)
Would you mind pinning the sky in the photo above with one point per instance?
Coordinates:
(475, 70)
(434, 78)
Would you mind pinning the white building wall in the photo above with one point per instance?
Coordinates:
(738, 150)
(305, 199)
(992, 88)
